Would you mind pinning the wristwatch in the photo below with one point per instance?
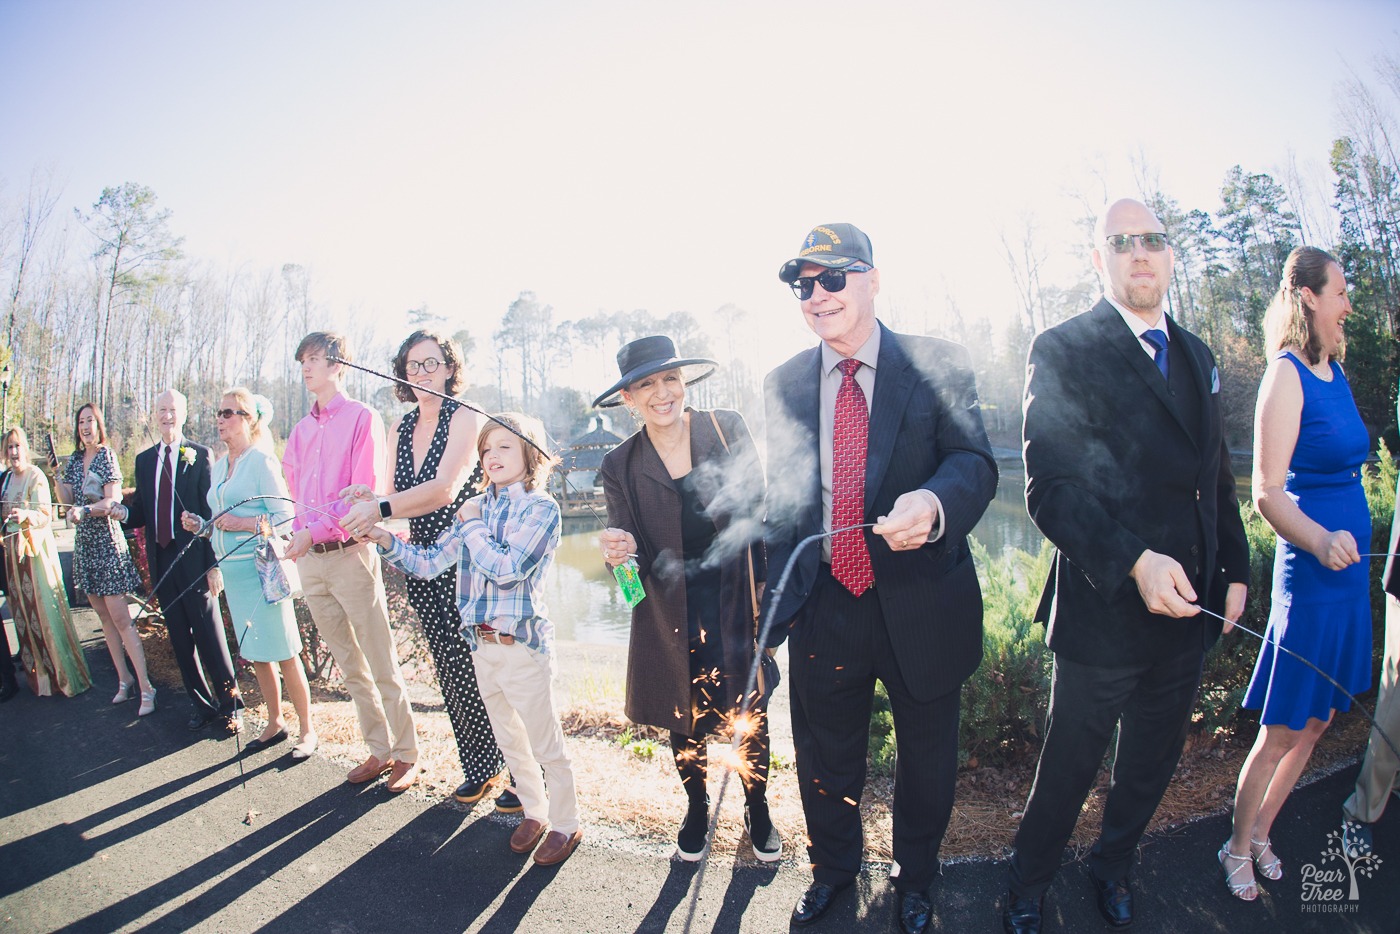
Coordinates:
(385, 510)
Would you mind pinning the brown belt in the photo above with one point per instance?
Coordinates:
(322, 548)
(491, 635)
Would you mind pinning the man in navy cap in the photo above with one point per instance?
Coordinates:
(873, 427)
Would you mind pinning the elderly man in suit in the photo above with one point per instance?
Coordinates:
(172, 477)
(871, 426)
(1128, 476)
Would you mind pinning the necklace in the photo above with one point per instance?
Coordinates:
(683, 439)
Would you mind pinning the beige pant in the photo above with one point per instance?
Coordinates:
(345, 592)
(515, 684)
(1380, 767)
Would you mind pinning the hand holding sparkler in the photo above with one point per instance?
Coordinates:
(910, 521)
(1337, 550)
(617, 545)
(1163, 585)
(301, 543)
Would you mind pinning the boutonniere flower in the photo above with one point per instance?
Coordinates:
(187, 455)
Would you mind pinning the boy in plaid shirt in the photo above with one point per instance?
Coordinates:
(503, 543)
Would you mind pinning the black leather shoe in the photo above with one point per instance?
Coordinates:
(198, 722)
(914, 912)
(1115, 901)
(257, 745)
(1022, 915)
(814, 902)
(469, 793)
(507, 802)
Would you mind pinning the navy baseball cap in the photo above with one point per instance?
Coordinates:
(834, 246)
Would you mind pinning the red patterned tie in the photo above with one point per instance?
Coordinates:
(165, 528)
(850, 559)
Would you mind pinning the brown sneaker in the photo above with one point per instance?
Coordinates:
(369, 770)
(557, 847)
(527, 835)
(402, 777)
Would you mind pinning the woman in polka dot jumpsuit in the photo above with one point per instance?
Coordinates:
(434, 457)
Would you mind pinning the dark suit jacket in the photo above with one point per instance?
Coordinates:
(643, 499)
(192, 492)
(926, 432)
(1111, 471)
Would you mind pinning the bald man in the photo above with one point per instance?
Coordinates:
(173, 477)
(1128, 475)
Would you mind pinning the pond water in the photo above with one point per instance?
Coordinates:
(586, 605)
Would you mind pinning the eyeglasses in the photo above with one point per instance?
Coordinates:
(429, 365)
(229, 413)
(1123, 243)
(832, 280)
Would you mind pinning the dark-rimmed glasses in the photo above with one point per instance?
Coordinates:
(1123, 243)
(429, 365)
(832, 280)
(229, 413)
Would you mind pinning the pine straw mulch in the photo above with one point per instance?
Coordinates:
(635, 790)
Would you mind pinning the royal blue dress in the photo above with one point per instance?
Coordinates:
(1323, 615)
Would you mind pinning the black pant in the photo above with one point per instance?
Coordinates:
(1153, 703)
(839, 647)
(196, 634)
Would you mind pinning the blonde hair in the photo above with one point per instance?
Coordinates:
(531, 431)
(1288, 319)
(18, 434)
(259, 411)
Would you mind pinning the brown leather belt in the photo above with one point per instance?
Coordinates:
(491, 635)
(322, 548)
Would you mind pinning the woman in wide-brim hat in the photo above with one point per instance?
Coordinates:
(685, 497)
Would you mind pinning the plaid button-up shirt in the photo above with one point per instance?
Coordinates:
(502, 561)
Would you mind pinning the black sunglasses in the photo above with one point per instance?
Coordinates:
(832, 280)
(229, 413)
(1123, 243)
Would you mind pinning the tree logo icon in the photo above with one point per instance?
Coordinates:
(1332, 884)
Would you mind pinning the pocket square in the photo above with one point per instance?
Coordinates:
(1214, 381)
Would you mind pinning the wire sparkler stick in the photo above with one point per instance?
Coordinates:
(750, 686)
(1275, 643)
(471, 408)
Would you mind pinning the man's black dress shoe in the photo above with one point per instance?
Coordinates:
(198, 722)
(914, 912)
(257, 744)
(814, 902)
(1115, 901)
(1022, 915)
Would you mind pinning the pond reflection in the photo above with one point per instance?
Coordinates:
(586, 605)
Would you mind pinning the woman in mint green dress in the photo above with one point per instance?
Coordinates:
(267, 633)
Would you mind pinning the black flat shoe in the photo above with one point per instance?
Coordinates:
(815, 902)
(257, 744)
(507, 802)
(915, 912)
(1115, 901)
(470, 794)
(1022, 915)
(198, 722)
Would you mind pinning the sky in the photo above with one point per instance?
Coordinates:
(615, 156)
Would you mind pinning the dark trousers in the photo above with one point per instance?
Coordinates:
(1151, 705)
(196, 634)
(839, 647)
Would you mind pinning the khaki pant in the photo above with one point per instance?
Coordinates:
(1380, 767)
(345, 592)
(515, 686)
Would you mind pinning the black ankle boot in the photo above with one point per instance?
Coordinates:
(690, 842)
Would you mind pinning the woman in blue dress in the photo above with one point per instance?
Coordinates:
(267, 633)
(1309, 448)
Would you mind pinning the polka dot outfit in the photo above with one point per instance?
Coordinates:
(435, 602)
(102, 565)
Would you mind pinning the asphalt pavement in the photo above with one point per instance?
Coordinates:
(113, 823)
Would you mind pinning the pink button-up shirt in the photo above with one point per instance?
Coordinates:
(327, 451)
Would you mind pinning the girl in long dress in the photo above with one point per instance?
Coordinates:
(49, 646)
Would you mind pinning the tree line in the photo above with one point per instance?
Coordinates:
(105, 305)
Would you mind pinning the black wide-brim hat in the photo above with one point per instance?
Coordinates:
(647, 355)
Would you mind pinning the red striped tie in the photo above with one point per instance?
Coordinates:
(850, 559)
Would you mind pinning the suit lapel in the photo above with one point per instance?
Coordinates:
(1201, 379)
(650, 467)
(894, 381)
(1121, 338)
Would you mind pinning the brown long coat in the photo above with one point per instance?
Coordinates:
(642, 499)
